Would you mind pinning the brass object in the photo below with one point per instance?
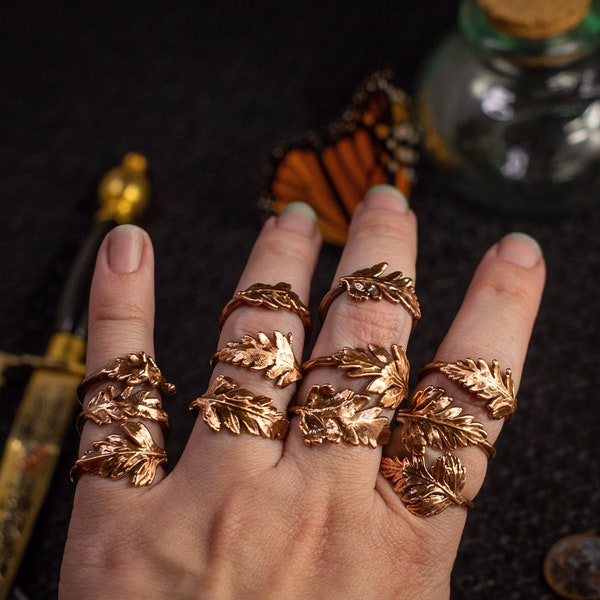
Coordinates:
(134, 453)
(31, 361)
(429, 419)
(370, 284)
(427, 492)
(486, 382)
(330, 416)
(273, 297)
(572, 566)
(389, 370)
(124, 191)
(276, 358)
(50, 398)
(227, 405)
(132, 370)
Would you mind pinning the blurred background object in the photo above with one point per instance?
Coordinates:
(510, 104)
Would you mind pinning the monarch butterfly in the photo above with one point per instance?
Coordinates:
(374, 141)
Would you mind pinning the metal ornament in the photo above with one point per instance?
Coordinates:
(227, 405)
(427, 492)
(273, 297)
(388, 368)
(108, 407)
(341, 416)
(429, 419)
(132, 370)
(276, 358)
(486, 382)
(369, 284)
(133, 454)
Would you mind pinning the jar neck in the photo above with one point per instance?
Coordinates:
(548, 52)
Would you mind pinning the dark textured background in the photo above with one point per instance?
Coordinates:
(205, 90)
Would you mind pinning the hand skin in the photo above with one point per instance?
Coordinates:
(247, 517)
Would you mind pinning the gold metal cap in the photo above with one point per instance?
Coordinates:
(124, 191)
(535, 19)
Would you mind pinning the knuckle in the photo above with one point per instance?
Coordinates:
(289, 250)
(375, 324)
(382, 224)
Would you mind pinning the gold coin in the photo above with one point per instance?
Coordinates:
(572, 566)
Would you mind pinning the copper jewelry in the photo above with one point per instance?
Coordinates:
(276, 358)
(131, 370)
(135, 373)
(341, 416)
(426, 492)
(369, 284)
(108, 407)
(487, 383)
(273, 297)
(227, 405)
(429, 419)
(133, 453)
(136, 376)
(389, 369)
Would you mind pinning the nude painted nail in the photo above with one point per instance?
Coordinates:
(520, 249)
(387, 196)
(299, 217)
(125, 246)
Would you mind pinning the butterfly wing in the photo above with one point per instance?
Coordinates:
(373, 142)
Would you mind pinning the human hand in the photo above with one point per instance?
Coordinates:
(247, 516)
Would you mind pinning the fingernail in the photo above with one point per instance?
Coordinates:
(125, 246)
(520, 249)
(387, 196)
(299, 217)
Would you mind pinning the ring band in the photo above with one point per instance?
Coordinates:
(107, 406)
(133, 453)
(388, 368)
(430, 419)
(138, 375)
(486, 382)
(131, 370)
(273, 297)
(427, 491)
(227, 405)
(369, 284)
(330, 416)
(276, 358)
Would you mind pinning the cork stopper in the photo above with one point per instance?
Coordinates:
(535, 19)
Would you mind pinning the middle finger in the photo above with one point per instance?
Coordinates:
(361, 345)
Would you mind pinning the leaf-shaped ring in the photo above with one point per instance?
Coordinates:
(138, 379)
(226, 405)
(341, 416)
(370, 284)
(388, 370)
(273, 297)
(136, 368)
(275, 358)
(135, 453)
(486, 382)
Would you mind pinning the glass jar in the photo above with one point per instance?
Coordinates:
(514, 122)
